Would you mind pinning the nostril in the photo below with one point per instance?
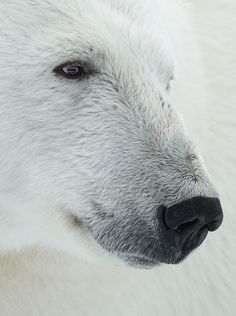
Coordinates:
(175, 220)
(194, 213)
(190, 223)
(187, 223)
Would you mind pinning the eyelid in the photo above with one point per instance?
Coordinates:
(74, 63)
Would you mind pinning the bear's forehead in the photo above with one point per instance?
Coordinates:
(117, 31)
(96, 22)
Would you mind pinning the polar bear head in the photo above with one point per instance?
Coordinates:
(87, 123)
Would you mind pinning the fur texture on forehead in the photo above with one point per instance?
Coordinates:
(76, 27)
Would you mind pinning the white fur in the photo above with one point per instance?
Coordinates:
(80, 289)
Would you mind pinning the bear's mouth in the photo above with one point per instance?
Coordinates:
(145, 243)
(147, 262)
(140, 250)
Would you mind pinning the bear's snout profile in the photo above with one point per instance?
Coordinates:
(92, 129)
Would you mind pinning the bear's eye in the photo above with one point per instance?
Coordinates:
(72, 70)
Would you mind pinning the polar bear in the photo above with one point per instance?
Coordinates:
(95, 157)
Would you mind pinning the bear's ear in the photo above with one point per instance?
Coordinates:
(166, 70)
(167, 81)
(170, 83)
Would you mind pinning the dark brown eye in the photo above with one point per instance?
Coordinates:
(72, 70)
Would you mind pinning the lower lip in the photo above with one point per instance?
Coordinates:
(139, 262)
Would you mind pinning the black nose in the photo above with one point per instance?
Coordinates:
(191, 220)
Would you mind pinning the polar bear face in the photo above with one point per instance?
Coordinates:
(87, 122)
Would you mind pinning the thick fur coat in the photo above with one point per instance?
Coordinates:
(45, 282)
